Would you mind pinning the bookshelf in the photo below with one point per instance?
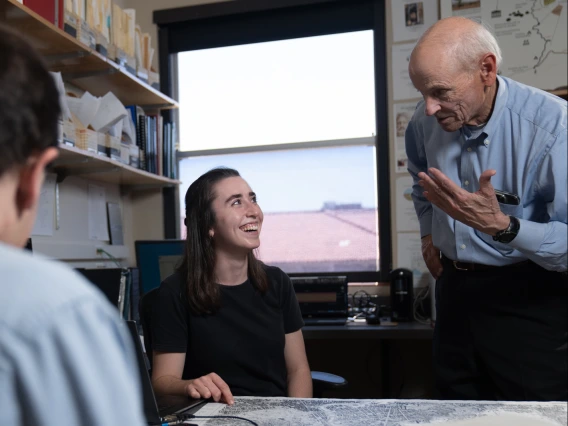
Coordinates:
(138, 192)
(79, 64)
(88, 70)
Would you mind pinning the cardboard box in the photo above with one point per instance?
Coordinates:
(134, 159)
(103, 144)
(113, 147)
(125, 153)
(86, 35)
(71, 23)
(86, 139)
(68, 133)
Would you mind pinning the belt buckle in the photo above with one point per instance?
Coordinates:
(457, 267)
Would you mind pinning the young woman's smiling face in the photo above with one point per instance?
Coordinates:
(238, 217)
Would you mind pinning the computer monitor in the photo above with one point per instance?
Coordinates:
(107, 280)
(157, 260)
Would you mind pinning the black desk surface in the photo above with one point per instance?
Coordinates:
(361, 330)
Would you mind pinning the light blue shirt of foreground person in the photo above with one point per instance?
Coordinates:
(525, 142)
(65, 355)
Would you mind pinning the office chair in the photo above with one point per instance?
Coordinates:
(321, 381)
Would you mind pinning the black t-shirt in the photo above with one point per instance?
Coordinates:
(243, 342)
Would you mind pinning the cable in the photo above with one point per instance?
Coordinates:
(418, 308)
(111, 257)
(124, 286)
(193, 416)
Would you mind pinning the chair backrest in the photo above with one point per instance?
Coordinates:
(145, 308)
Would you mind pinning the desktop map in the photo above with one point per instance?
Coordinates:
(366, 412)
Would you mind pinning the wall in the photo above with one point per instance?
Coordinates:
(71, 242)
(145, 11)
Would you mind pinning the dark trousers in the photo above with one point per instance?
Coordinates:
(501, 334)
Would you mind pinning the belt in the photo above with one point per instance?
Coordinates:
(469, 266)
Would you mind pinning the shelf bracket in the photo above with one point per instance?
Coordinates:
(86, 74)
(68, 55)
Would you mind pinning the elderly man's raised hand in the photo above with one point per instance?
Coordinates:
(479, 209)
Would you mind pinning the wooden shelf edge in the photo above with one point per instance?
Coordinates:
(60, 163)
(167, 100)
(559, 92)
(168, 103)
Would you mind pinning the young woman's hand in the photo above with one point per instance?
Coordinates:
(210, 386)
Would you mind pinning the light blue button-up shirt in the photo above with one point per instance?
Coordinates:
(525, 142)
(66, 357)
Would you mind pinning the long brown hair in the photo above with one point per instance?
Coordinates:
(198, 264)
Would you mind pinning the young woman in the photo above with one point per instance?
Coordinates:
(224, 323)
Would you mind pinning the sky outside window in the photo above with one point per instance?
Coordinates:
(299, 90)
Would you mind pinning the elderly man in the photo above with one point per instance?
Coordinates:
(489, 157)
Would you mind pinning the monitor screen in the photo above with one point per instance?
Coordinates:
(156, 261)
(107, 280)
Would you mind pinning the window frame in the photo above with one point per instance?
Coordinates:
(255, 21)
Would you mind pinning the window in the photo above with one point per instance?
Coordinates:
(289, 93)
(319, 204)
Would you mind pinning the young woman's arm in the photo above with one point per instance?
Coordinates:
(299, 376)
(166, 380)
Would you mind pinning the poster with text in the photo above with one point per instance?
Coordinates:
(411, 18)
(406, 219)
(402, 115)
(402, 85)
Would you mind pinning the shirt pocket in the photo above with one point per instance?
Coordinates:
(504, 249)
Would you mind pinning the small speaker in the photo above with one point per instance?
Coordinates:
(402, 298)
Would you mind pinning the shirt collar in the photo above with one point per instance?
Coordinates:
(500, 102)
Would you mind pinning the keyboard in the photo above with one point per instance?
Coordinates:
(325, 321)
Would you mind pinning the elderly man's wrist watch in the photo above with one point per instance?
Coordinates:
(507, 235)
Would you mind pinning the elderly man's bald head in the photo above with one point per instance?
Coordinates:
(454, 67)
(458, 42)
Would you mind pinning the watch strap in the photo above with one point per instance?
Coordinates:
(507, 235)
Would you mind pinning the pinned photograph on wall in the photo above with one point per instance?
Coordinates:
(467, 8)
(411, 18)
(402, 114)
(414, 14)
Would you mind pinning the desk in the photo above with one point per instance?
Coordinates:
(383, 334)
(361, 330)
(367, 412)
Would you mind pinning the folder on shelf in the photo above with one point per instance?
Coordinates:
(85, 108)
(44, 8)
(109, 112)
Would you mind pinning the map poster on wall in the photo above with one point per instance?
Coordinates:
(531, 33)
(406, 219)
(402, 115)
(409, 256)
(402, 85)
(532, 36)
(467, 8)
(411, 18)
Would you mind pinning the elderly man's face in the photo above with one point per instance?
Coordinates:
(455, 97)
